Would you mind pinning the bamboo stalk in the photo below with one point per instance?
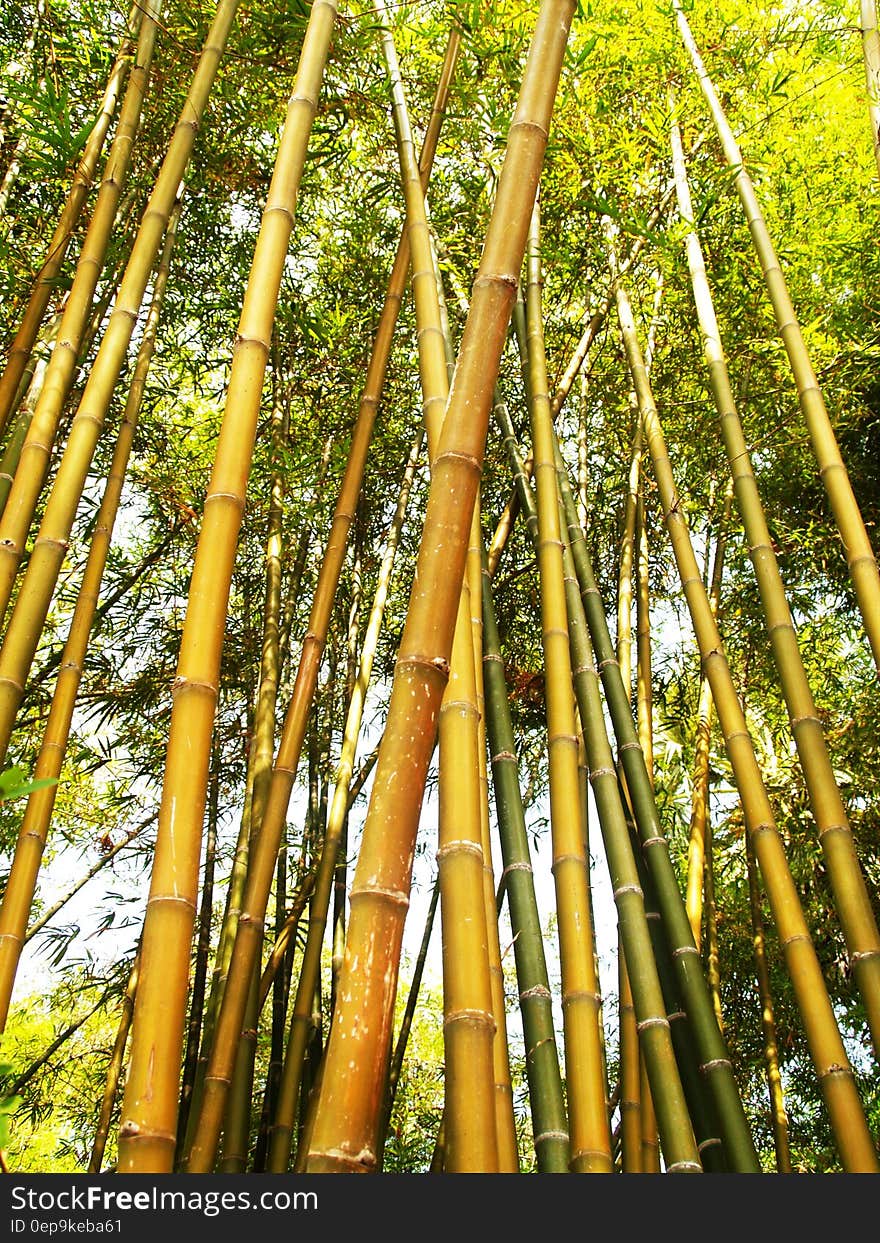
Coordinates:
(859, 555)
(348, 1114)
(147, 1134)
(21, 885)
(34, 459)
(826, 1046)
(851, 898)
(293, 731)
(114, 1071)
(47, 555)
(778, 1115)
(717, 1072)
(588, 1120)
(140, 28)
(281, 1132)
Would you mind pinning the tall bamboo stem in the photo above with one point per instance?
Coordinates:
(826, 1046)
(850, 892)
(114, 1071)
(871, 50)
(147, 1135)
(349, 1111)
(859, 555)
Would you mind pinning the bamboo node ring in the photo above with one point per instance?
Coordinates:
(716, 1063)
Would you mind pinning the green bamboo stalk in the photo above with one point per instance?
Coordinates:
(857, 546)
(712, 1053)
(832, 1065)
(147, 1132)
(140, 30)
(347, 1118)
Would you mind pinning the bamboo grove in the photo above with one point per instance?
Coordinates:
(440, 614)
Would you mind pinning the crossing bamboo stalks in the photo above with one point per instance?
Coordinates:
(826, 1046)
(546, 1100)
(850, 892)
(47, 556)
(35, 454)
(871, 50)
(859, 555)
(140, 20)
(778, 1115)
(717, 1072)
(21, 885)
(588, 1120)
(296, 718)
(147, 1134)
(114, 1071)
(347, 1118)
(282, 1127)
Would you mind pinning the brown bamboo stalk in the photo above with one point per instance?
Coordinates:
(857, 546)
(83, 178)
(349, 1111)
(34, 832)
(833, 1069)
(147, 1134)
(34, 460)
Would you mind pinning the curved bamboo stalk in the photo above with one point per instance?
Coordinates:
(34, 459)
(871, 50)
(21, 885)
(47, 555)
(348, 1114)
(588, 1119)
(147, 1134)
(282, 1126)
(826, 1046)
(859, 555)
(851, 898)
(296, 717)
(138, 24)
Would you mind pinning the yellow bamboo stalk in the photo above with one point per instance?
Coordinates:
(147, 1134)
(851, 898)
(36, 451)
(588, 1118)
(833, 1069)
(22, 882)
(871, 50)
(114, 1071)
(83, 178)
(282, 1129)
(50, 546)
(296, 718)
(859, 555)
(350, 1109)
